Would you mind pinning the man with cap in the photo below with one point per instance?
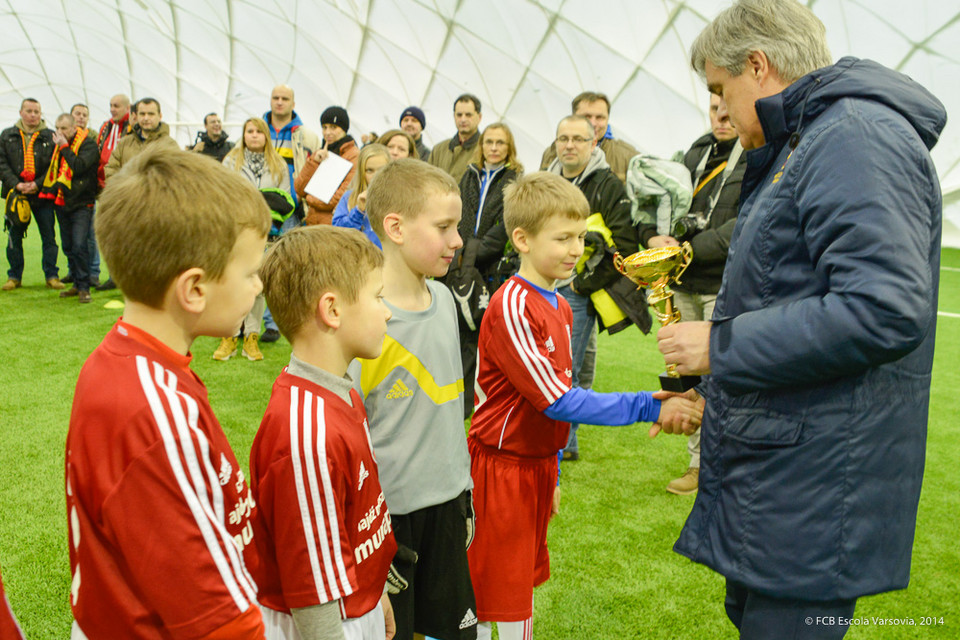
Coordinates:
(414, 122)
(336, 123)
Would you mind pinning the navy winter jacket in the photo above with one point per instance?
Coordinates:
(814, 432)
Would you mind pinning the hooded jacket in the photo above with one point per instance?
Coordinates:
(822, 343)
(606, 195)
(11, 157)
(136, 141)
(617, 152)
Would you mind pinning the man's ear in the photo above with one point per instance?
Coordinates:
(758, 65)
(393, 227)
(328, 310)
(190, 290)
(519, 239)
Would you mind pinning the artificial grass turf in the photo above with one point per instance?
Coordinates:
(614, 573)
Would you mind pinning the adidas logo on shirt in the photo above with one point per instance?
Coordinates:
(469, 619)
(399, 390)
(364, 474)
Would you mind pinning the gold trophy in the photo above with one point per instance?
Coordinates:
(658, 269)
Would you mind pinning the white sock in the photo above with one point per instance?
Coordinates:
(515, 630)
(484, 631)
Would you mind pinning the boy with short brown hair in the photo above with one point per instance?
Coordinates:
(525, 402)
(413, 394)
(158, 508)
(323, 529)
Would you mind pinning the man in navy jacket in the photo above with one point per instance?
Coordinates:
(821, 345)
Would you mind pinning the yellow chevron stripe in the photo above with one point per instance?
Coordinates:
(394, 356)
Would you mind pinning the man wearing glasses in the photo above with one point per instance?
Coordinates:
(595, 107)
(581, 161)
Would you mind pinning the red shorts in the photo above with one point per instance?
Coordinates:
(512, 498)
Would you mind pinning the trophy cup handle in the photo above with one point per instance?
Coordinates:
(686, 254)
(618, 262)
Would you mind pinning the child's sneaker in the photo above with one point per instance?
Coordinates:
(227, 349)
(251, 348)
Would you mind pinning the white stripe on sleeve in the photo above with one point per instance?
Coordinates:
(305, 515)
(538, 366)
(213, 532)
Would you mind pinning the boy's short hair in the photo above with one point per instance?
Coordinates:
(533, 199)
(404, 186)
(167, 211)
(306, 263)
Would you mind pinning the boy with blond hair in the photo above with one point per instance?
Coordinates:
(525, 402)
(323, 531)
(159, 511)
(413, 394)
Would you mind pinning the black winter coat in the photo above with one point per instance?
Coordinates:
(84, 164)
(606, 195)
(710, 245)
(493, 240)
(11, 159)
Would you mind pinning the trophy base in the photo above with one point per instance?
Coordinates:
(678, 385)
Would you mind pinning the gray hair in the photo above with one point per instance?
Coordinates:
(66, 116)
(792, 37)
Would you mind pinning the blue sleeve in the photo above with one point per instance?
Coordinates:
(343, 216)
(586, 405)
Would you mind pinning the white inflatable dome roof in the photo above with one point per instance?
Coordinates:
(524, 59)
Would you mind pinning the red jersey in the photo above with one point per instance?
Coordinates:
(9, 629)
(158, 508)
(323, 529)
(524, 366)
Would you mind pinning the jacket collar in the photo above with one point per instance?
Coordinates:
(469, 144)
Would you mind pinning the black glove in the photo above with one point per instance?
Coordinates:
(405, 556)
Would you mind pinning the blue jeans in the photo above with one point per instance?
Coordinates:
(584, 323)
(74, 233)
(93, 251)
(46, 222)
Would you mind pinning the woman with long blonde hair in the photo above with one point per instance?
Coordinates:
(255, 157)
(351, 210)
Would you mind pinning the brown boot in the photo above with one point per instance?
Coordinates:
(10, 285)
(54, 283)
(687, 483)
(251, 349)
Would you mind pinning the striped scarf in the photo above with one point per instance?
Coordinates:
(59, 175)
(29, 161)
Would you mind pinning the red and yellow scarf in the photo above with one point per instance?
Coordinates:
(59, 175)
(29, 162)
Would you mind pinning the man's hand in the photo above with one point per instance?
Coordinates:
(27, 187)
(555, 507)
(687, 345)
(662, 241)
(389, 621)
(59, 139)
(679, 413)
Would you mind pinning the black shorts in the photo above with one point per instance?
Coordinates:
(439, 601)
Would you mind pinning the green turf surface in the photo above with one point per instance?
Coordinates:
(614, 573)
